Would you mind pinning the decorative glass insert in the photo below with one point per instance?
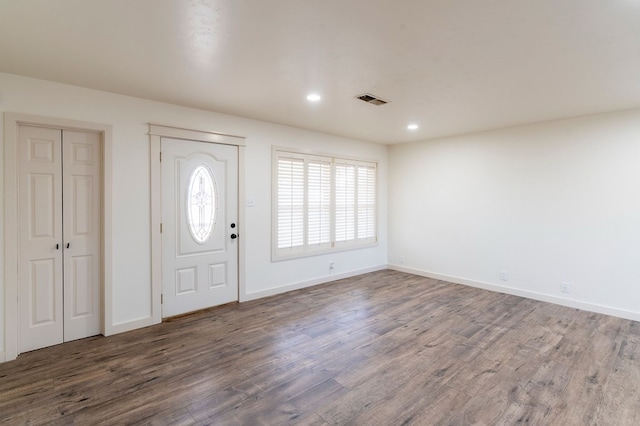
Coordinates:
(201, 204)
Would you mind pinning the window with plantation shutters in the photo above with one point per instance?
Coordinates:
(318, 203)
(290, 206)
(345, 202)
(322, 204)
(366, 206)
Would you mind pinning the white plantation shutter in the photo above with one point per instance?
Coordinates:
(322, 204)
(366, 202)
(290, 201)
(345, 202)
(318, 202)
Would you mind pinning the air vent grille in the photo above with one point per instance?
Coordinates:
(369, 98)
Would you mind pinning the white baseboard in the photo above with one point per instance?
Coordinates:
(128, 326)
(586, 306)
(146, 322)
(309, 283)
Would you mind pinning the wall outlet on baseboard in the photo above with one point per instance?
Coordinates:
(504, 275)
(565, 287)
(332, 265)
(401, 260)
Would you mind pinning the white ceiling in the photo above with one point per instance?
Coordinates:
(451, 66)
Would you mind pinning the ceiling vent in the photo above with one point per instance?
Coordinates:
(369, 98)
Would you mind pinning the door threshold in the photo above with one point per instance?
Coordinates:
(198, 311)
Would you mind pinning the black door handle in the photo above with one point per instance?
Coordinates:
(234, 236)
(68, 245)
(57, 246)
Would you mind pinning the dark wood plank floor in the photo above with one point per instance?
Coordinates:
(385, 348)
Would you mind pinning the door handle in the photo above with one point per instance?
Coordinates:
(68, 245)
(234, 236)
(57, 246)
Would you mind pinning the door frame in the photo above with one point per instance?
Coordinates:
(10, 255)
(156, 133)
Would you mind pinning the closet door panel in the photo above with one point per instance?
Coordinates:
(82, 234)
(40, 237)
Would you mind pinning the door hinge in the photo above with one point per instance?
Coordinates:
(161, 299)
(161, 228)
(161, 156)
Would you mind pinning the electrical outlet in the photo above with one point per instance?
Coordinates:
(402, 260)
(504, 275)
(565, 287)
(331, 265)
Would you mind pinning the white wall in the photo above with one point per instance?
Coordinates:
(131, 187)
(548, 203)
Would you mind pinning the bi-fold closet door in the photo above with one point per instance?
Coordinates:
(59, 235)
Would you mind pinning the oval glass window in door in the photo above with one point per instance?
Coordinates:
(201, 204)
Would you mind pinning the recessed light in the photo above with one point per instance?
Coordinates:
(412, 126)
(313, 97)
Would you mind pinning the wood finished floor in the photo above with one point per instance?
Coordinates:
(385, 348)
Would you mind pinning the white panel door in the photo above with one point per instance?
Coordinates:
(59, 231)
(82, 234)
(40, 237)
(200, 228)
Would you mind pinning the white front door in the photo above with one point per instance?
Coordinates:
(59, 235)
(199, 225)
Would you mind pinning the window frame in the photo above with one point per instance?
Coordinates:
(332, 246)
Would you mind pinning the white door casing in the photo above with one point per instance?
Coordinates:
(199, 225)
(59, 228)
(10, 347)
